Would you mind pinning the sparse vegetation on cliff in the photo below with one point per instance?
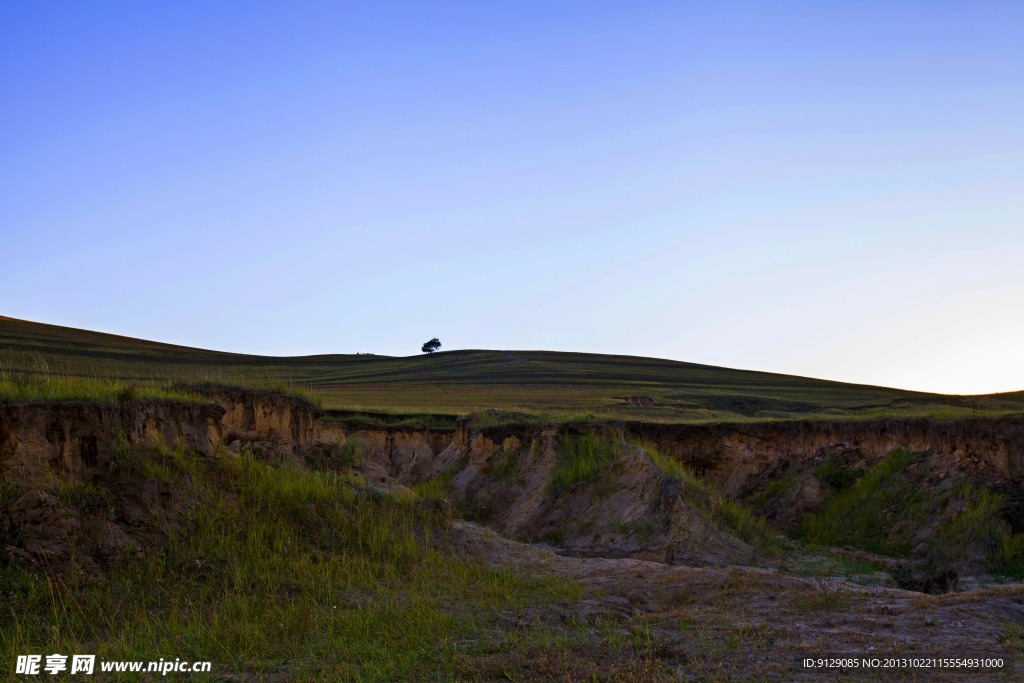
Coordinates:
(435, 487)
(892, 511)
(581, 457)
(732, 515)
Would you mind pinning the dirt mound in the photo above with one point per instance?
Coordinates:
(85, 521)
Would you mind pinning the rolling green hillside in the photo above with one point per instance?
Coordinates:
(553, 383)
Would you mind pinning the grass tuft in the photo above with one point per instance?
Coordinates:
(581, 457)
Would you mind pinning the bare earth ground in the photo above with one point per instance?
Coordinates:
(744, 623)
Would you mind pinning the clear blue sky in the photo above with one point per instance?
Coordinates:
(826, 189)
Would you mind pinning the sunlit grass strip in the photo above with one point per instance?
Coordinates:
(69, 388)
(50, 386)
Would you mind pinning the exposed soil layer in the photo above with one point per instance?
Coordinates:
(734, 455)
(253, 415)
(37, 438)
(63, 470)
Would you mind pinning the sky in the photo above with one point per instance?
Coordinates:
(832, 190)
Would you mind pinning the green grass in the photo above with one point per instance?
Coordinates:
(974, 517)
(835, 564)
(885, 509)
(748, 526)
(75, 493)
(278, 570)
(862, 515)
(505, 465)
(540, 385)
(337, 455)
(581, 457)
(17, 386)
(836, 472)
(723, 511)
(437, 487)
(362, 419)
(778, 485)
(643, 529)
(50, 387)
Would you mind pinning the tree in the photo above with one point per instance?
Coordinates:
(432, 345)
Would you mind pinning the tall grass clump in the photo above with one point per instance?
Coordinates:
(505, 465)
(886, 510)
(674, 469)
(748, 526)
(717, 508)
(862, 515)
(581, 457)
(339, 455)
(437, 487)
(835, 471)
(974, 518)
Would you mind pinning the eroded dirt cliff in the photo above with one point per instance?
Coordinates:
(503, 476)
(733, 456)
(78, 484)
(39, 440)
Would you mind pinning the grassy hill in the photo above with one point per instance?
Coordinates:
(458, 382)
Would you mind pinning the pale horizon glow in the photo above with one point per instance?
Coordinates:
(827, 190)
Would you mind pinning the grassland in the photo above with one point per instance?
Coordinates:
(531, 384)
(51, 387)
(282, 572)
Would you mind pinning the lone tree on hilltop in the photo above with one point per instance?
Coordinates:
(432, 345)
